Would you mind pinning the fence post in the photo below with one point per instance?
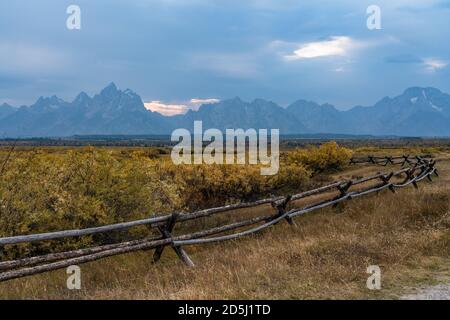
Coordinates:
(410, 176)
(434, 168)
(405, 160)
(281, 209)
(166, 232)
(343, 188)
(420, 160)
(386, 179)
(431, 168)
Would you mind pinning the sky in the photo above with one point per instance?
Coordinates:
(177, 54)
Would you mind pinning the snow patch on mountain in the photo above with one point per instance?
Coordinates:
(436, 107)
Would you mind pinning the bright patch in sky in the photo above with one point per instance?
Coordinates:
(203, 101)
(434, 64)
(336, 46)
(168, 109)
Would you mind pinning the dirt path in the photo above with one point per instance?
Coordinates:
(442, 290)
(438, 292)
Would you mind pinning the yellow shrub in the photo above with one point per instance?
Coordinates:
(43, 192)
(329, 156)
(49, 190)
(202, 186)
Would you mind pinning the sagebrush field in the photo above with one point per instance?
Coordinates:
(325, 256)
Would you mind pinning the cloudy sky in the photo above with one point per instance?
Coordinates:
(178, 53)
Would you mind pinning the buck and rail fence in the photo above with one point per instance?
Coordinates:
(414, 169)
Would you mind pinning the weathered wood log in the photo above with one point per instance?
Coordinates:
(231, 207)
(79, 260)
(81, 232)
(125, 247)
(183, 256)
(316, 191)
(231, 236)
(7, 265)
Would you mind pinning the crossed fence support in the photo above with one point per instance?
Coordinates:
(386, 179)
(166, 232)
(280, 207)
(406, 160)
(410, 176)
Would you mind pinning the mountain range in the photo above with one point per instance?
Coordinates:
(416, 112)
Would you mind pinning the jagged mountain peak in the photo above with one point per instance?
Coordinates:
(110, 112)
(417, 111)
(5, 105)
(423, 98)
(421, 91)
(112, 101)
(301, 103)
(6, 110)
(233, 100)
(110, 90)
(111, 86)
(306, 105)
(82, 97)
(52, 102)
(258, 102)
(129, 92)
(413, 96)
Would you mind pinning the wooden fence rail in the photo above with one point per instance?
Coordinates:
(420, 167)
(385, 160)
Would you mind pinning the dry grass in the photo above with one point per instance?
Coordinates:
(324, 257)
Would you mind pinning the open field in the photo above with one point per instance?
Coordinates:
(325, 256)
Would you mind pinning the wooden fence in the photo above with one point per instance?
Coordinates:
(418, 169)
